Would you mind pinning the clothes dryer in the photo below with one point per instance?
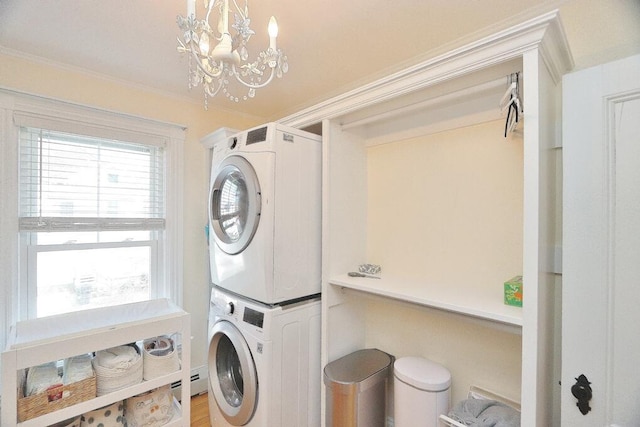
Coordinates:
(264, 362)
(265, 213)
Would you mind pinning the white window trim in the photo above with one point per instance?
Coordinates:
(17, 108)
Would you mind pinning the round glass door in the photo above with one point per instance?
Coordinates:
(235, 203)
(232, 374)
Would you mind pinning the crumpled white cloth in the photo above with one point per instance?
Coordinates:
(158, 346)
(485, 413)
(77, 368)
(117, 358)
(41, 377)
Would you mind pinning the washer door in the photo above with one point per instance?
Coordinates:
(232, 374)
(234, 204)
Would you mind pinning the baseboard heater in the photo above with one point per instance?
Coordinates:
(198, 382)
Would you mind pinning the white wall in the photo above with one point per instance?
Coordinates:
(450, 201)
(443, 203)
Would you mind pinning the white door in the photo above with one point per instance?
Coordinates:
(233, 378)
(601, 240)
(234, 204)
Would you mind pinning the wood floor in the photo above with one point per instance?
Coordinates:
(200, 411)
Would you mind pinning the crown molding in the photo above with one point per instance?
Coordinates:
(544, 33)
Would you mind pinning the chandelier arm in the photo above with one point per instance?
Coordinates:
(199, 63)
(215, 92)
(235, 3)
(250, 85)
(210, 6)
(181, 46)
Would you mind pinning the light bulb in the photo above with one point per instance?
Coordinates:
(203, 44)
(273, 32)
(273, 27)
(191, 8)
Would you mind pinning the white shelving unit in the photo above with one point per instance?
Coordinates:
(455, 90)
(473, 302)
(38, 341)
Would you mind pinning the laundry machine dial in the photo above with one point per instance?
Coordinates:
(228, 309)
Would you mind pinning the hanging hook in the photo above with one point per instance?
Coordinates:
(511, 102)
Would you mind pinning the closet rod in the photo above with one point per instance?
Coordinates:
(472, 90)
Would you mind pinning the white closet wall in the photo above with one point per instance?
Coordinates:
(419, 178)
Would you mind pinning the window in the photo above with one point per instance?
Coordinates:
(91, 220)
(91, 211)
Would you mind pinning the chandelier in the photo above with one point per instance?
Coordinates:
(228, 61)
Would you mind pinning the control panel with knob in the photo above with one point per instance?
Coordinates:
(229, 308)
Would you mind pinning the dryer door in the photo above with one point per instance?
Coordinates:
(232, 374)
(234, 204)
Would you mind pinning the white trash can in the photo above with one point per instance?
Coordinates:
(421, 392)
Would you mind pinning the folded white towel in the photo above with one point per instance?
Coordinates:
(485, 413)
(117, 358)
(117, 368)
(77, 368)
(40, 378)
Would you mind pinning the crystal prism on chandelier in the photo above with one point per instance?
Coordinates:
(228, 61)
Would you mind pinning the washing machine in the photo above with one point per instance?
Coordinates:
(264, 362)
(265, 213)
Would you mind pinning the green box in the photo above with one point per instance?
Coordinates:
(513, 291)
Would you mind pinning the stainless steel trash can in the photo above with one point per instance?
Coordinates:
(356, 386)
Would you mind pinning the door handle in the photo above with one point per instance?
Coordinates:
(582, 391)
(215, 204)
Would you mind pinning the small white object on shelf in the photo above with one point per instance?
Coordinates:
(369, 268)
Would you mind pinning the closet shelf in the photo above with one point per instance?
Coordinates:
(467, 301)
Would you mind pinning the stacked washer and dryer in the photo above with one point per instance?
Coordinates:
(264, 313)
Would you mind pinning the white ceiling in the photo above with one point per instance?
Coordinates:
(332, 45)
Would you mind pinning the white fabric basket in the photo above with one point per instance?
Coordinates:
(108, 416)
(120, 372)
(160, 357)
(151, 409)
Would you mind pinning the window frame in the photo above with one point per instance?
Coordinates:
(17, 110)
(29, 265)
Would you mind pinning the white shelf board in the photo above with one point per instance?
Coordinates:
(35, 332)
(462, 300)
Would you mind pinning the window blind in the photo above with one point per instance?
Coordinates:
(75, 182)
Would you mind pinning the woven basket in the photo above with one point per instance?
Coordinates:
(156, 366)
(110, 380)
(55, 398)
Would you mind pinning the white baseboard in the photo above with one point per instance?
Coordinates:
(198, 382)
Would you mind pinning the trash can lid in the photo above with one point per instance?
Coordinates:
(422, 373)
(357, 366)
